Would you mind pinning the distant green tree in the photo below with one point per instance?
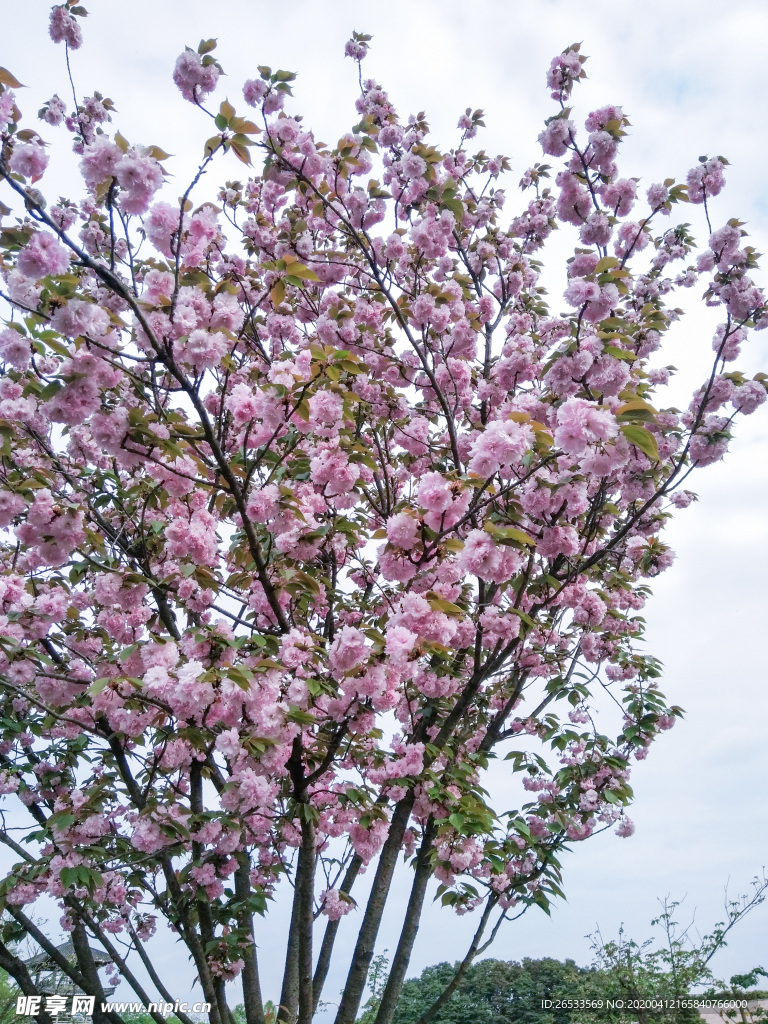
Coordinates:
(9, 990)
(492, 992)
(625, 974)
(742, 987)
(670, 970)
(8, 993)
(132, 1017)
(270, 1013)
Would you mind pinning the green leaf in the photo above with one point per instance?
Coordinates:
(606, 263)
(61, 822)
(300, 717)
(212, 145)
(642, 439)
(453, 544)
(243, 125)
(508, 533)
(69, 877)
(439, 604)
(522, 615)
(278, 292)
(513, 534)
(242, 677)
(456, 207)
(50, 390)
(57, 347)
(10, 80)
(635, 405)
(299, 270)
(619, 353)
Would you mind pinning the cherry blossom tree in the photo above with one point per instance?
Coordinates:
(314, 512)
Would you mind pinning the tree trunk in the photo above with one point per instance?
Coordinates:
(252, 1000)
(369, 930)
(305, 885)
(18, 971)
(90, 972)
(410, 928)
(329, 938)
(289, 994)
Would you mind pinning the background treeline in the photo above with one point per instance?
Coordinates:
(502, 992)
(672, 966)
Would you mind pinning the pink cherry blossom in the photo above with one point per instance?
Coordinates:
(194, 538)
(140, 175)
(100, 160)
(43, 255)
(7, 106)
(403, 531)
(15, 349)
(348, 650)
(334, 905)
(79, 317)
(64, 28)
(254, 91)
(556, 136)
(564, 70)
(706, 180)
(581, 423)
(29, 160)
(493, 562)
(194, 79)
(162, 225)
(500, 446)
(203, 349)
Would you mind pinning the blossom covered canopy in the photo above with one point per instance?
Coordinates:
(312, 507)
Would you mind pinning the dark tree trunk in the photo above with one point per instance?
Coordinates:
(305, 885)
(369, 930)
(289, 994)
(410, 928)
(329, 938)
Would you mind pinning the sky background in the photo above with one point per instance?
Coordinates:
(690, 76)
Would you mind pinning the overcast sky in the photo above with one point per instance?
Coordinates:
(690, 75)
